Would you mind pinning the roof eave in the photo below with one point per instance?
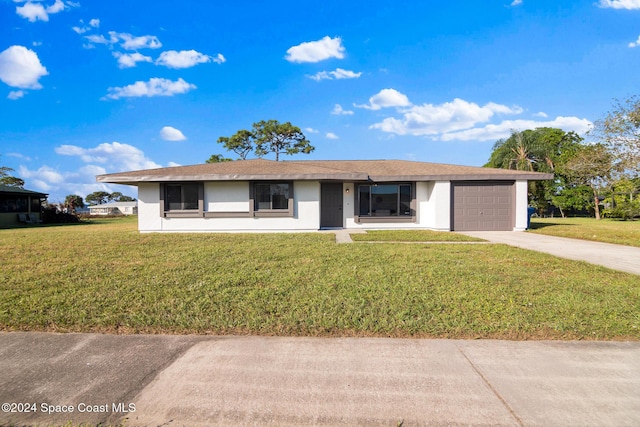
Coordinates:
(534, 176)
(135, 180)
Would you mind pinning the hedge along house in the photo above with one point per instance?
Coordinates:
(264, 195)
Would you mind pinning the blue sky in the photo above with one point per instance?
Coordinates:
(91, 87)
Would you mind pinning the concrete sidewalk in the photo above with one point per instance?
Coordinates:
(203, 381)
(617, 257)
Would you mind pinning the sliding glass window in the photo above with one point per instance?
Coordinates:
(181, 196)
(384, 200)
(268, 196)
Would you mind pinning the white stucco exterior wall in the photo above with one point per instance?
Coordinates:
(433, 206)
(230, 197)
(436, 204)
(226, 196)
(522, 203)
(149, 207)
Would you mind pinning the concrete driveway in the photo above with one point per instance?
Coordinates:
(617, 257)
(202, 381)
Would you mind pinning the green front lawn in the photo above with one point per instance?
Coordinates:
(604, 230)
(412, 236)
(106, 277)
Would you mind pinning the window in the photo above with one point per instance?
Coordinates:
(272, 198)
(185, 199)
(14, 204)
(385, 200)
(181, 197)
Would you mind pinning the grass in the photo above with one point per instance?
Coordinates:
(412, 236)
(604, 230)
(106, 277)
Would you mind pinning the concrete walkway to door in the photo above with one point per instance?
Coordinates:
(617, 257)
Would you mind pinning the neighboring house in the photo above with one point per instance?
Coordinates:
(264, 195)
(20, 206)
(115, 208)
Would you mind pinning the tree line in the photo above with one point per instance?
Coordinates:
(587, 175)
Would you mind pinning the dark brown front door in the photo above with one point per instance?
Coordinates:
(331, 204)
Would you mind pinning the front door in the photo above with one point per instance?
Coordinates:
(331, 204)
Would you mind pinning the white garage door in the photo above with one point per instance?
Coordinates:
(483, 206)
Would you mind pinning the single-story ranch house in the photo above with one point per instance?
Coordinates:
(264, 195)
(18, 205)
(114, 208)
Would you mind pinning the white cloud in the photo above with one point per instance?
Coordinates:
(219, 59)
(33, 12)
(56, 7)
(98, 39)
(103, 158)
(19, 156)
(339, 111)
(169, 133)
(620, 4)
(386, 98)
(131, 42)
(516, 2)
(429, 119)
(338, 74)
(94, 23)
(92, 170)
(316, 51)
(173, 164)
(21, 68)
(15, 94)
(154, 87)
(331, 135)
(129, 60)
(43, 179)
(127, 41)
(503, 129)
(80, 30)
(116, 156)
(311, 130)
(59, 184)
(541, 114)
(186, 58)
(635, 43)
(465, 121)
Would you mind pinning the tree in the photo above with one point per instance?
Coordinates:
(274, 137)
(97, 197)
(72, 202)
(619, 130)
(11, 181)
(591, 165)
(218, 158)
(538, 150)
(117, 196)
(114, 197)
(267, 137)
(624, 200)
(241, 143)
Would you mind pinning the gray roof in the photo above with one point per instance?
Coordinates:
(18, 190)
(340, 170)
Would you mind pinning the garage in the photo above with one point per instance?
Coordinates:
(483, 205)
